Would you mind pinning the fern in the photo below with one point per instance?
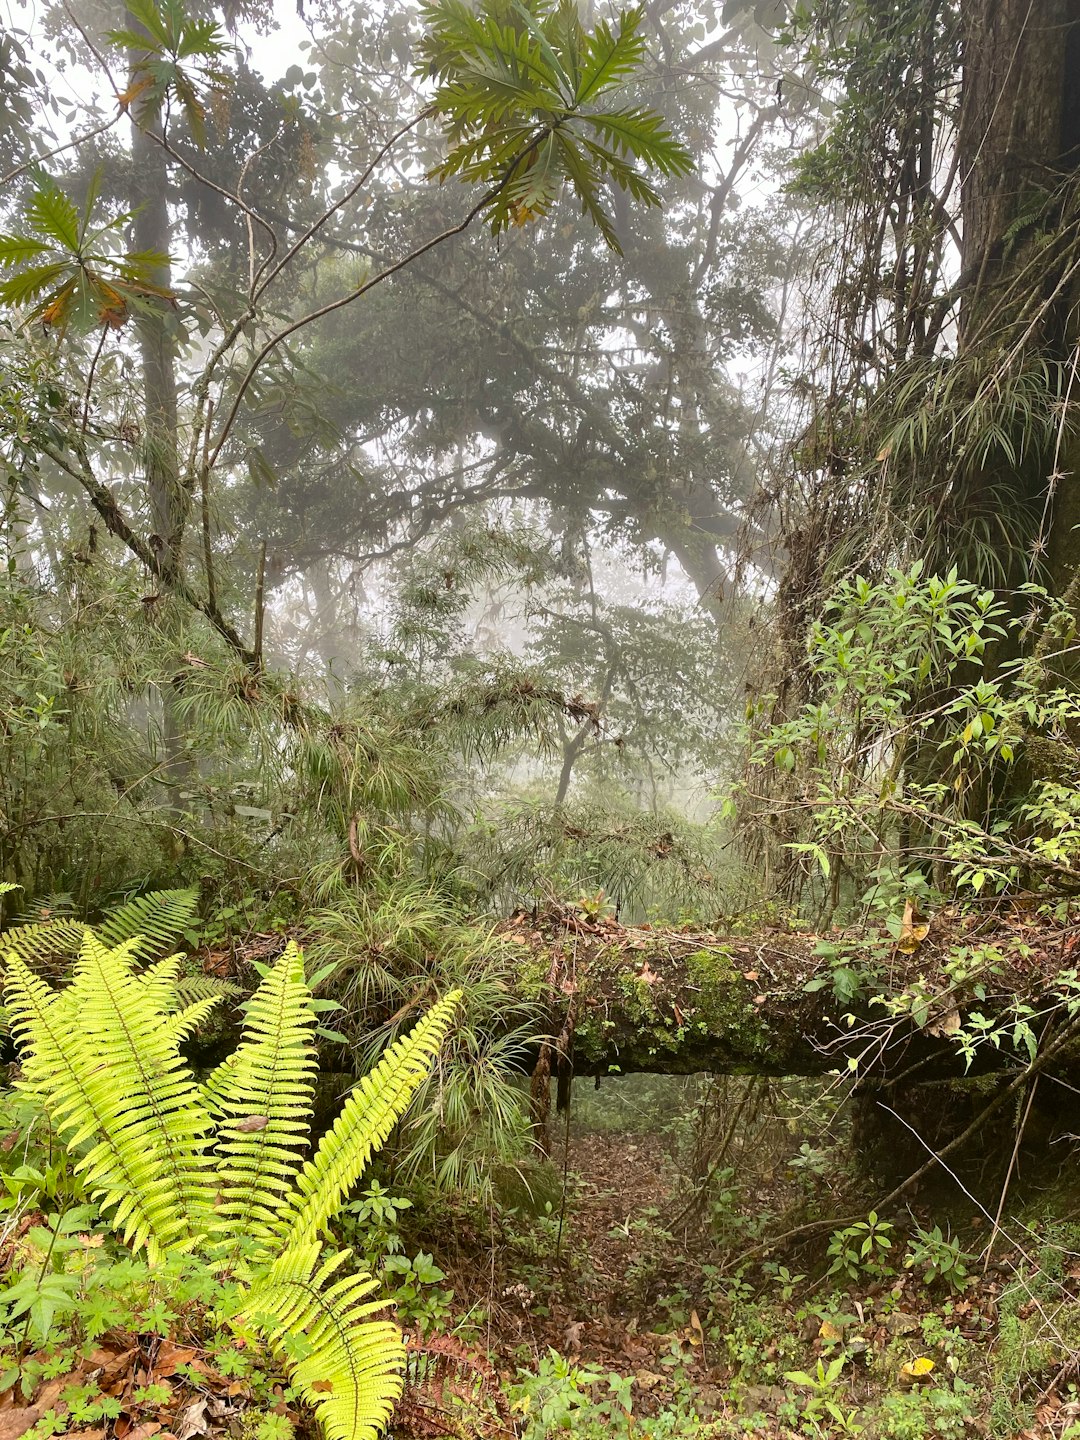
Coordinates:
(156, 921)
(218, 1168)
(261, 1100)
(86, 1099)
(353, 1373)
(41, 940)
(369, 1114)
(190, 988)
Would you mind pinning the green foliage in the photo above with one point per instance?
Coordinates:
(173, 55)
(906, 734)
(934, 1413)
(521, 87)
(179, 1167)
(152, 922)
(69, 267)
(390, 947)
(860, 1249)
(938, 1257)
(822, 1403)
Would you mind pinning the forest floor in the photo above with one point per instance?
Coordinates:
(621, 1306)
(642, 1298)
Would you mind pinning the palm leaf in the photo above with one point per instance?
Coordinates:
(611, 56)
(17, 249)
(643, 136)
(29, 284)
(54, 216)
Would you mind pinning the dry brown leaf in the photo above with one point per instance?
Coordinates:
(170, 1357)
(192, 1419)
(913, 930)
(17, 1419)
(145, 1430)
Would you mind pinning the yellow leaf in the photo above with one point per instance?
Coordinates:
(828, 1331)
(916, 1370)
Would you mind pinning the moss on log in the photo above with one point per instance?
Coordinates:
(664, 1002)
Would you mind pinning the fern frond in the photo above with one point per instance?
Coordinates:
(159, 982)
(108, 1069)
(179, 1024)
(190, 988)
(34, 943)
(261, 1100)
(154, 921)
(352, 1372)
(370, 1113)
(86, 1098)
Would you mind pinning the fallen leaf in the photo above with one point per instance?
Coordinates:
(915, 1371)
(170, 1357)
(192, 1419)
(750, 974)
(114, 1368)
(145, 1430)
(913, 930)
(16, 1420)
(944, 1025)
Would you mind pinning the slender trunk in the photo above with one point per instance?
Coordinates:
(572, 748)
(167, 499)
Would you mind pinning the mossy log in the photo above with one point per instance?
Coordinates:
(663, 1002)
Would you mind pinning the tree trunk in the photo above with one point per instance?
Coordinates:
(168, 501)
(1019, 145)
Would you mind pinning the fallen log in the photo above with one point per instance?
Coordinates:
(668, 1002)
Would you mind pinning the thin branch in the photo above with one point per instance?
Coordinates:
(59, 149)
(348, 195)
(343, 300)
(106, 505)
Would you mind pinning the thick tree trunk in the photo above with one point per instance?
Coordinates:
(1014, 136)
(1019, 156)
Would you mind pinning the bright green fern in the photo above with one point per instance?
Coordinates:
(220, 1168)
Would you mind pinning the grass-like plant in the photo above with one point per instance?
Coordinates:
(217, 1168)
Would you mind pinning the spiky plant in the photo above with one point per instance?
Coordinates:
(218, 1168)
